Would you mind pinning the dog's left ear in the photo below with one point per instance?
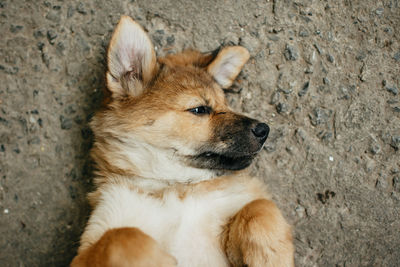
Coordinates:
(227, 65)
(131, 59)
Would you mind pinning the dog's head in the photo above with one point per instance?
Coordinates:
(168, 118)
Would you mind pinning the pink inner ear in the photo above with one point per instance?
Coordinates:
(131, 52)
(135, 70)
(228, 64)
(131, 59)
(126, 56)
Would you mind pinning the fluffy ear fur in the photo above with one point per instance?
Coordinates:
(131, 59)
(227, 65)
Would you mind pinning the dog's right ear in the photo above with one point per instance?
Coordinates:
(131, 59)
(227, 64)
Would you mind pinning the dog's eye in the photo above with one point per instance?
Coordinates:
(200, 110)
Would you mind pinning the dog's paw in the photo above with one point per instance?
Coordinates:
(123, 247)
(258, 235)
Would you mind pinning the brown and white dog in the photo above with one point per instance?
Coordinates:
(168, 152)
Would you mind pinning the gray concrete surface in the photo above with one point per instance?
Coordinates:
(324, 74)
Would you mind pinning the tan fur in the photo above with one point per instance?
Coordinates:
(122, 247)
(259, 236)
(188, 58)
(153, 206)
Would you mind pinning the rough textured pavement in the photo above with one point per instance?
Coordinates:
(325, 75)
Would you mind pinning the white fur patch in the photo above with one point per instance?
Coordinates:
(189, 228)
(155, 163)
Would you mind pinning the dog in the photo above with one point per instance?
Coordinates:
(170, 155)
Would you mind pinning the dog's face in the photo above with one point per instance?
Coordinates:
(173, 108)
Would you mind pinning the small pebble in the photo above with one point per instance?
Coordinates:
(381, 183)
(65, 123)
(60, 47)
(275, 98)
(34, 141)
(309, 70)
(32, 119)
(51, 35)
(319, 49)
(326, 81)
(327, 136)
(397, 56)
(303, 32)
(301, 134)
(395, 142)
(70, 11)
(286, 90)
(81, 8)
(282, 108)
(39, 33)
(170, 40)
(330, 58)
(6, 211)
(300, 211)
(361, 56)
(274, 38)
(304, 90)
(71, 109)
(53, 15)
(16, 28)
(330, 158)
(344, 93)
(290, 53)
(320, 116)
(375, 149)
(396, 183)
(289, 149)
(392, 89)
(379, 11)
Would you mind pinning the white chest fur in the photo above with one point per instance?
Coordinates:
(187, 227)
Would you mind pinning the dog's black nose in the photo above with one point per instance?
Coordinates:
(261, 131)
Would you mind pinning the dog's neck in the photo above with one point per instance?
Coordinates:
(137, 159)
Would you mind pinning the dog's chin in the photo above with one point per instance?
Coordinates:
(215, 161)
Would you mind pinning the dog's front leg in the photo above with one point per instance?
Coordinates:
(123, 247)
(258, 235)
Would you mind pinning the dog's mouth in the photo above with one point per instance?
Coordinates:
(232, 147)
(223, 161)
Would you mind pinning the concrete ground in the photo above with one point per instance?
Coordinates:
(325, 75)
